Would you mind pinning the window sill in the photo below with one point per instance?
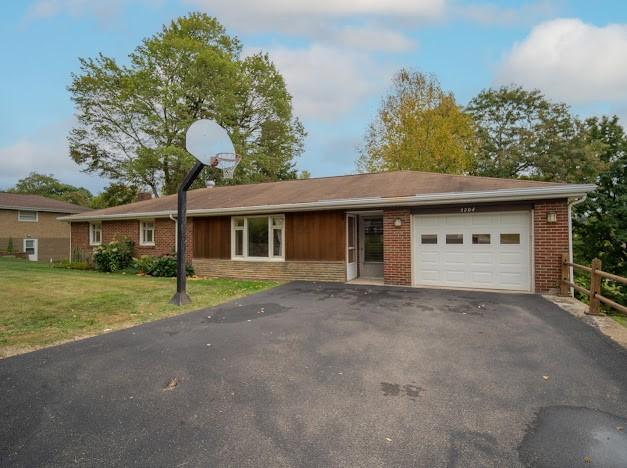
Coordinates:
(146, 245)
(95, 245)
(258, 259)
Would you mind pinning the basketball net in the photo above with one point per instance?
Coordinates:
(226, 162)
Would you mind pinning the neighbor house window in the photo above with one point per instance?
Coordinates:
(95, 234)
(257, 237)
(147, 233)
(27, 216)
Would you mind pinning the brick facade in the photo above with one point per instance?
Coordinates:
(550, 242)
(165, 236)
(288, 270)
(397, 247)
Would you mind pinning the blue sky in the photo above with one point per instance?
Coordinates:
(337, 57)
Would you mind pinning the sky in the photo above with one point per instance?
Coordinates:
(337, 57)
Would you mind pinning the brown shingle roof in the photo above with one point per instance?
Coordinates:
(383, 185)
(37, 202)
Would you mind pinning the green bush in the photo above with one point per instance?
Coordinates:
(164, 266)
(114, 256)
(10, 246)
(144, 264)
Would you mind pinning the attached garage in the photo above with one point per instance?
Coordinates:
(473, 250)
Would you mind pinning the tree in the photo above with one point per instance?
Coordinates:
(115, 195)
(132, 119)
(49, 186)
(601, 221)
(522, 134)
(419, 127)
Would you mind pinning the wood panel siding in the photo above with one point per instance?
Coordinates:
(315, 236)
(212, 237)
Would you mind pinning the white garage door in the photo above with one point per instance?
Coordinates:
(473, 250)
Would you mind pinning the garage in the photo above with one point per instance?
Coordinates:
(473, 250)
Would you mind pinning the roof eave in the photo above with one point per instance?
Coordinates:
(533, 193)
(47, 210)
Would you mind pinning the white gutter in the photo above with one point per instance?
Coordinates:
(533, 193)
(570, 237)
(47, 210)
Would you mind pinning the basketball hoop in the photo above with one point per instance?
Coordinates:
(211, 145)
(226, 162)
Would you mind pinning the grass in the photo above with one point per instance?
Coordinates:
(42, 305)
(622, 319)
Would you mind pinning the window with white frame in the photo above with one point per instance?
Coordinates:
(27, 216)
(257, 237)
(147, 233)
(95, 233)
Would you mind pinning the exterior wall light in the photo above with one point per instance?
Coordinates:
(398, 222)
(551, 217)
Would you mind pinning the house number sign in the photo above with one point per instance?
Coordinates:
(467, 209)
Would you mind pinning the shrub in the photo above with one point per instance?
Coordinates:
(164, 266)
(10, 246)
(114, 256)
(144, 264)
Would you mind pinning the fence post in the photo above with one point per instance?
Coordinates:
(595, 288)
(564, 286)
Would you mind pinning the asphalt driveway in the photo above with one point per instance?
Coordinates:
(327, 375)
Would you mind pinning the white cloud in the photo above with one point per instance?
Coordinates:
(496, 14)
(102, 9)
(570, 60)
(374, 39)
(327, 82)
(45, 151)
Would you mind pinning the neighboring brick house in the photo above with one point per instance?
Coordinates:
(30, 222)
(403, 228)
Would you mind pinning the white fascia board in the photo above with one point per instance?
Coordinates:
(533, 193)
(28, 208)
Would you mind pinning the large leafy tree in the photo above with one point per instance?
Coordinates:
(132, 118)
(49, 186)
(601, 221)
(523, 134)
(114, 195)
(419, 126)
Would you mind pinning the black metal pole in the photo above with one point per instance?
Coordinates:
(181, 297)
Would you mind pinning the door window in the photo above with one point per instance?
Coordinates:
(510, 238)
(481, 238)
(373, 239)
(454, 238)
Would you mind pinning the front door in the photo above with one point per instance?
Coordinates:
(30, 248)
(371, 246)
(351, 247)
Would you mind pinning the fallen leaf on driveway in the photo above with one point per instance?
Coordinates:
(171, 385)
(545, 377)
(388, 439)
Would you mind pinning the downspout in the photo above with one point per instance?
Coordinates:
(576, 201)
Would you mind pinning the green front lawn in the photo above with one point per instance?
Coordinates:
(41, 305)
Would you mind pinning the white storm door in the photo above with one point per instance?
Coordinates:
(351, 247)
(31, 250)
(473, 250)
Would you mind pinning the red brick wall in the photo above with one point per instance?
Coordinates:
(80, 239)
(550, 242)
(165, 236)
(397, 247)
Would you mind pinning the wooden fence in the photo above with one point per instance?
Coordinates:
(594, 293)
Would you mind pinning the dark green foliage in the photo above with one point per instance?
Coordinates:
(48, 186)
(601, 221)
(524, 135)
(114, 256)
(164, 266)
(115, 195)
(132, 118)
(10, 246)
